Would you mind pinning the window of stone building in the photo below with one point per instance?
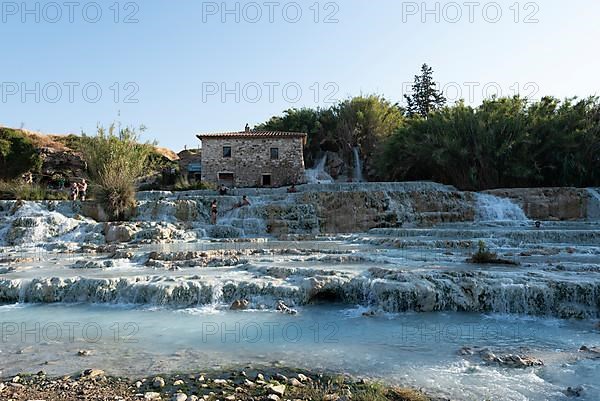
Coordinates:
(266, 180)
(274, 153)
(226, 179)
(227, 151)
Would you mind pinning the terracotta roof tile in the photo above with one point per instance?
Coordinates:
(253, 134)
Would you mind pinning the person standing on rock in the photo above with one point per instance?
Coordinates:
(214, 210)
(83, 190)
(74, 191)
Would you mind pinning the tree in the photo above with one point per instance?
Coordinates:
(304, 120)
(365, 122)
(425, 97)
(505, 142)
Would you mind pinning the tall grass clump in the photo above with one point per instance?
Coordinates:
(115, 160)
(18, 190)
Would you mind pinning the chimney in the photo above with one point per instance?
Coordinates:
(247, 128)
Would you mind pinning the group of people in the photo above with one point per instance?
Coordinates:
(79, 190)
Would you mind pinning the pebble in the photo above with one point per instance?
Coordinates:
(277, 390)
(249, 383)
(273, 397)
(92, 373)
(295, 382)
(179, 397)
(152, 396)
(302, 378)
(178, 383)
(281, 378)
(158, 382)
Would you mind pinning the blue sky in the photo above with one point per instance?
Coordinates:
(181, 67)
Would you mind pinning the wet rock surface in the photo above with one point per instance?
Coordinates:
(549, 203)
(389, 249)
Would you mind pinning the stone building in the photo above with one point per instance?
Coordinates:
(253, 158)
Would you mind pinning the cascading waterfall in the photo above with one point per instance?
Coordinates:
(494, 208)
(248, 218)
(358, 168)
(384, 289)
(318, 175)
(594, 204)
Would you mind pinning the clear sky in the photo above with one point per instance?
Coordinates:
(185, 66)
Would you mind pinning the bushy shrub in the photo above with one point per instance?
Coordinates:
(18, 154)
(183, 184)
(483, 254)
(115, 159)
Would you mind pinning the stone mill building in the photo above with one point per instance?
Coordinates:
(253, 158)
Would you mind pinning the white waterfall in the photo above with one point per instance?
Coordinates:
(318, 175)
(358, 169)
(494, 208)
(594, 204)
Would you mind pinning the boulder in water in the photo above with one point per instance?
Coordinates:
(511, 360)
(573, 391)
(283, 308)
(239, 304)
(118, 233)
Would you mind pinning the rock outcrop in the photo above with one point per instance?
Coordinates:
(549, 203)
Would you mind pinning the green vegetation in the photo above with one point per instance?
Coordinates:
(18, 190)
(18, 154)
(365, 122)
(425, 97)
(503, 143)
(483, 254)
(115, 159)
(71, 141)
(183, 184)
(506, 142)
(363, 391)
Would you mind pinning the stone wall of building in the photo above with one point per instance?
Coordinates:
(251, 159)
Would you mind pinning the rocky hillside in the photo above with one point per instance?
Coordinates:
(48, 155)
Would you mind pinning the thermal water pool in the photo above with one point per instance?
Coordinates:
(420, 350)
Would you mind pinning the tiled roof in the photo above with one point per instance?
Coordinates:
(253, 134)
